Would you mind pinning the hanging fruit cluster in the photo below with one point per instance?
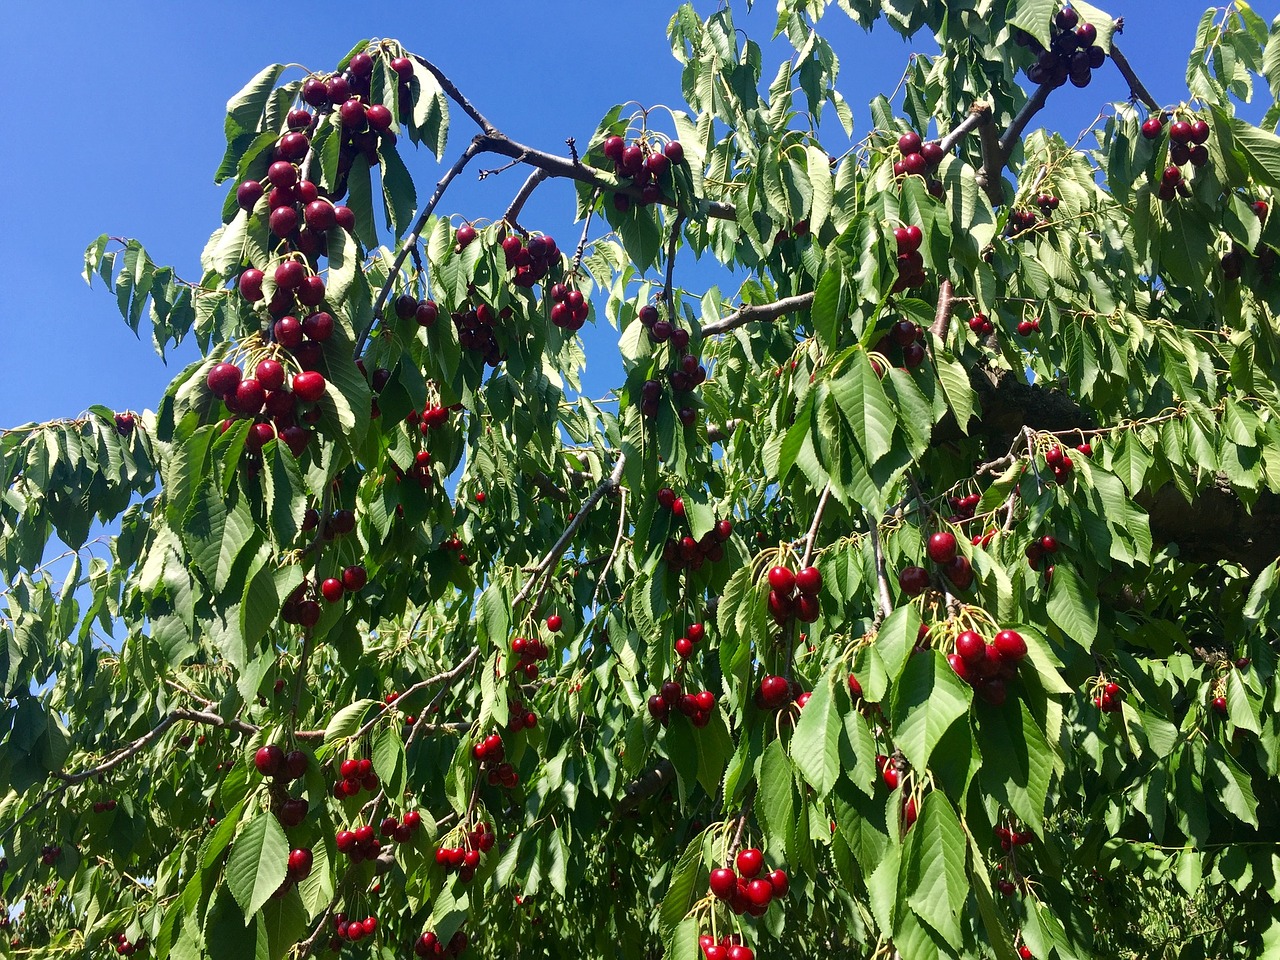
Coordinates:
(531, 260)
(465, 858)
(746, 891)
(906, 336)
(687, 553)
(794, 593)
(645, 164)
(696, 706)
(529, 650)
(910, 260)
(987, 667)
(1073, 52)
(355, 775)
(429, 945)
(919, 159)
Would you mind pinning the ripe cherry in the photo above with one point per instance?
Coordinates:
(809, 581)
(750, 861)
(331, 590)
(913, 580)
(554, 622)
(941, 547)
(782, 580)
(1010, 645)
(724, 883)
(971, 646)
(269, 760)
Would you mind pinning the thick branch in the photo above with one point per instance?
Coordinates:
(1136, 87)
(942, 318)
(979, 116)
(526, 191)
(1029, 109)
(759, 311)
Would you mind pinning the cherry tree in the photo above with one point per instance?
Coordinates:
(911, 599)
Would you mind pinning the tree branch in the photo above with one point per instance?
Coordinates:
(812, 536)
(1136, 87)
(1029, 109)
(553, 555)
(526, 191)
(646, 785)
(979, 116)
(617, 542)
(473, 148)
(882, 578)
(942, 318)
(457, 97)
(759, 311)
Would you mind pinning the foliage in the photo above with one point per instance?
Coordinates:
(843, 404)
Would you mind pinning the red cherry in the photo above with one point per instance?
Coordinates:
(724, 883)
(941, 547)
(684, 648)
(760, 892)
(300, 863)
(780, 882)
(1010, 645)
(750, 862)
(782, 580)
(809, 581)
(554, 622)
(971, 646)
(354, 578)
(696, 632)
(774, 692)
(913, 580)
(331, 589)
(308, 386)
(269, 760)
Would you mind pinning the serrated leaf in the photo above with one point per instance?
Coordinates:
(347, 720)
(258, 863)
(927, 699)
(815, 744)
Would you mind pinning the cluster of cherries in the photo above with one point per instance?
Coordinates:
(409, 307)
(1027, 327)
(910, 260)
(694, 635)
(981, 324)
(124, 947)
(919, 159)
(644, 165)
(908, 337)
(696, 706)
(429, 945)
(271, 761)
(660, 331)
(465, 859)
(1037, 550)
(746, 891)
(454, 545)
(362, 123)
(1060, 462)
(530, 650)
(1109, 695)
(354, 775)
(531, 259)
(491, 754)
(987, 667)
(518, 718)
(359, 844)
(49, 854)
(1073, 52)
(477, 331)
(794, 593)
(103, 806)
(1013, 838)
(730, 947)
(265, 399)
(943, 550)
(1020, 220)
(569, 307)
(351, 930)
(351, 580)
(402, 830)
(682, 552)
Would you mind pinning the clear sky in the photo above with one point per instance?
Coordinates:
(115, 126)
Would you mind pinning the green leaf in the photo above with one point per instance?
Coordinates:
(959, 392)
(347, 720)
(1073, 607)
(258, 862)
(933, 873)
(775, 799)
(862, 400)
(399, 197)
(680, 892)
(815, 745)
(1034, 17)
(927, 699)
(1017, 762)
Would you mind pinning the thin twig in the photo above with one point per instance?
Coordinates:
(617, 542)
(812, 536)
(473, 148)
(668, 293)
(457, 97)
(526, 191)
(882, 578)
(553, 555)
(582, 241)
(445, 678)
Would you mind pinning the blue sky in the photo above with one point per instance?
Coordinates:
(120, 130)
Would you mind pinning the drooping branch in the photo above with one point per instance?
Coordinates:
(759, 311)
(445, 678)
